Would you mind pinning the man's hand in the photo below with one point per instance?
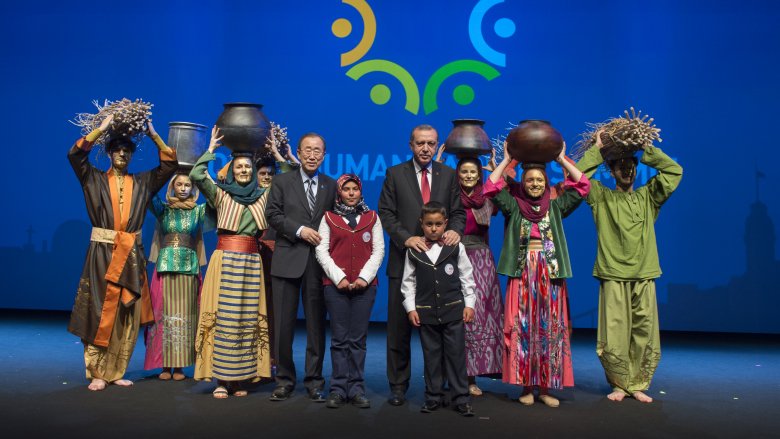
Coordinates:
(150, 129)
(597, 139)
(417, 243)
(344, 284)
(106, 124)
(468, 315)
(450, 237)
(414, 318)
(310, 235)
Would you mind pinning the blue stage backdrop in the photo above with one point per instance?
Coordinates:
(363, 73)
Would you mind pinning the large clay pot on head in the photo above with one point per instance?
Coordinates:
(468, 139)
(190, 140)
(534, 141)
(244, 127)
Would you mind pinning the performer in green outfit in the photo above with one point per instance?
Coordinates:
(627, 265)
(178, 252)
(232, 343)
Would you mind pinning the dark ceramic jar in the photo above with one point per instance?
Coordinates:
(244, 127)
(534, 141)
(468, 138)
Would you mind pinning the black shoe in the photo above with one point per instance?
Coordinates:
(280, 393)
(464, 410)
(361, 402)
(335, 400)
(397, 399)
(317, 395)
(430, 406)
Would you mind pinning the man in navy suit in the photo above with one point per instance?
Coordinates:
(296, 204)
(407, 187)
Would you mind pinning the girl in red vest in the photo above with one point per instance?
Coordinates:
(350, 252)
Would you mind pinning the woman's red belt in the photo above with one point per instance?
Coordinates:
(237, 243)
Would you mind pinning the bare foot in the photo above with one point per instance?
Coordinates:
(178, 374)
(165, 375)
(616, 396)
(642, 397)
(97, 384)
(123, 382)
(548, 400)
(220, 392)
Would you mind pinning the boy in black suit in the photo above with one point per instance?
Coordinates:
(438, 289)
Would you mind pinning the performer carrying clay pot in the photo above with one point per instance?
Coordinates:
(178, 253)
(536, 260)
(232, 343)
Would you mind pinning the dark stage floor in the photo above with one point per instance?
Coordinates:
(708, 385)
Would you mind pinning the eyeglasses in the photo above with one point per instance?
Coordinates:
(316, 153)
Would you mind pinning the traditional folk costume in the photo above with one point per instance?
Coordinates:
(626, 266)
(536, 260)
(232, 341)
(352, 247)
(438, 284)
(484, 335)
(113, 295)
(267, 239)
(178, 252)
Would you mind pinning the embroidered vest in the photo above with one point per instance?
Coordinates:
(547, 244)
(350, 249)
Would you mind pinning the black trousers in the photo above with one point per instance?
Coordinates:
(286, 292)
(399, 335)
(444, 347)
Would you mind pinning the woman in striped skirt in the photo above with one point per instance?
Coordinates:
(177, 251)
(232, 342)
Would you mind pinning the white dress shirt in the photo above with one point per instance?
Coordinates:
(465, 271)
(418, 173)
(329, 266)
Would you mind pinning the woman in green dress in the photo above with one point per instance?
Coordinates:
(177, 250)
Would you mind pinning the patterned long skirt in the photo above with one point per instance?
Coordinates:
(232, 342)
(170, 341)
(536, 336)
(484, 336)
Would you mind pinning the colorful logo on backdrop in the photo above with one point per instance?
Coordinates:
(462, 94)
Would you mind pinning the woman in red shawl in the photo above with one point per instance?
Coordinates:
(484, 336)
(536, 260)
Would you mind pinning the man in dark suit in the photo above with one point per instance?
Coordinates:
(296, 204)
(407, 187)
